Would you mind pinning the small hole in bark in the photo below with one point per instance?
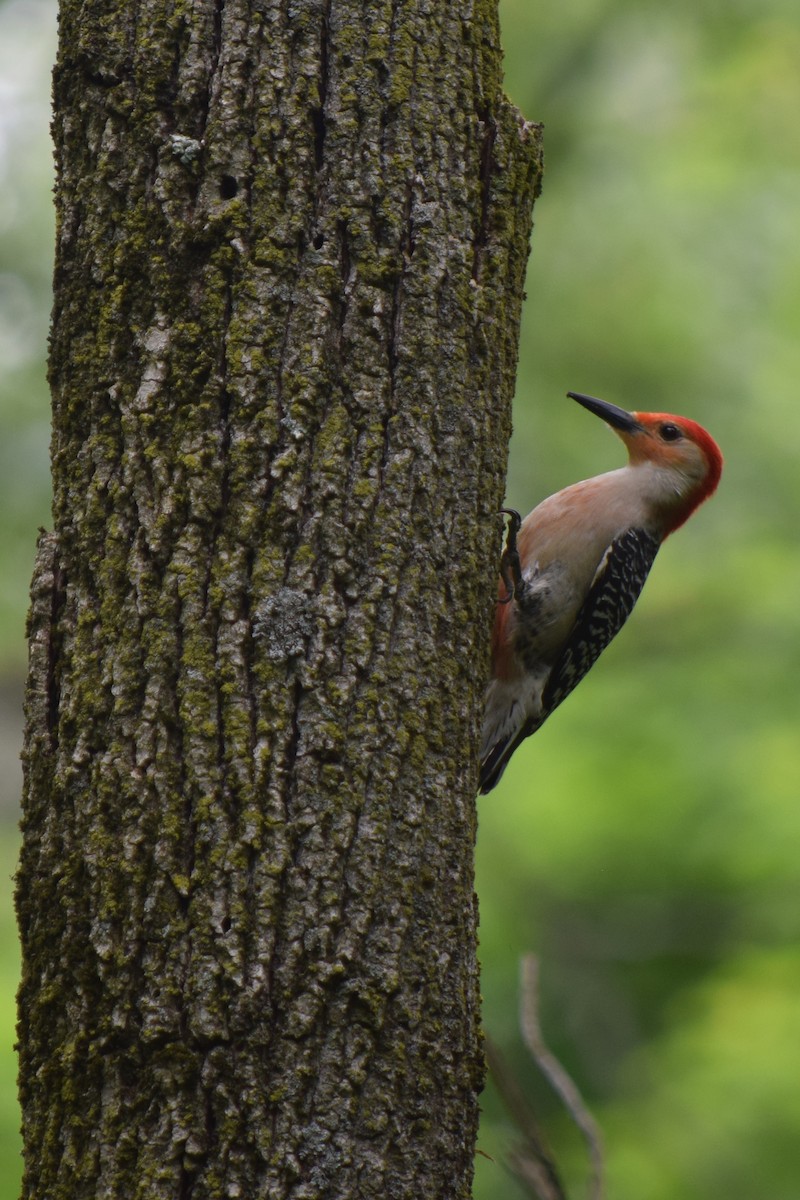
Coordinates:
(225, 924)
(228, 187)
(319, 241)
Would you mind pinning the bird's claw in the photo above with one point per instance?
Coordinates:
(510, 567)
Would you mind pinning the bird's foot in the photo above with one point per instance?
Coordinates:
(510, 567)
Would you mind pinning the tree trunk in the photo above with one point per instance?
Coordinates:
(290, 256)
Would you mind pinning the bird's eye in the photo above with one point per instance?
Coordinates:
(669, 432)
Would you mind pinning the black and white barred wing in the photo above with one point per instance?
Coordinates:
(616, 587)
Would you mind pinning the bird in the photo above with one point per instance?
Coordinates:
(572, 571)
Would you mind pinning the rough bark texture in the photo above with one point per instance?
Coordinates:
(291, 246)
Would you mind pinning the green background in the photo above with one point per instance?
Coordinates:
(646, 843)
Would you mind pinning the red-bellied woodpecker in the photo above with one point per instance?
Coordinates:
(572, 571)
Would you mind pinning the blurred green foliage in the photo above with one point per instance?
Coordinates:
(27, 49)
(645, 842)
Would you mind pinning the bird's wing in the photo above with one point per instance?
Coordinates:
(617, 583)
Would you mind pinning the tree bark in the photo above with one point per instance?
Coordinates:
(290, 255)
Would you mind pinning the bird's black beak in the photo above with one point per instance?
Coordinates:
(617, 418)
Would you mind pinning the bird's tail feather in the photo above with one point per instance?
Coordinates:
(493, 765)
(512, 713)
(495, 761)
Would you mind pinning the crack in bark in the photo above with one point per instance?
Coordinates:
(318, 120)
(486, 172)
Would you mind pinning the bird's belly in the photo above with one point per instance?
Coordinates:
(546, 612)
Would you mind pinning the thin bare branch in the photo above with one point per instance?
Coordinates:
(555, 1074)
(529, 1161)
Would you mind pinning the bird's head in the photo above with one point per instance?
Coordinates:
(677, 444)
